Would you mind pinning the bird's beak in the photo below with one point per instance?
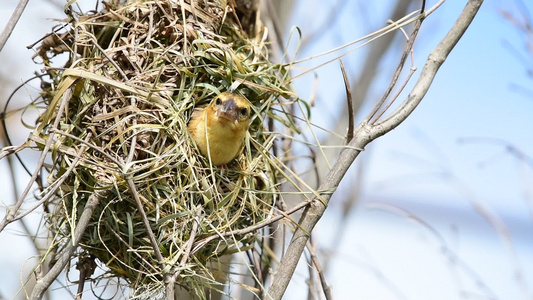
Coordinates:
(228, 110)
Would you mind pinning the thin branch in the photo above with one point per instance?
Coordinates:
(86, 266)
(12, 22)
(398, 71)
(316, 262)
(313, 212)
(3, 116)
(349, 100)
(44, 283)
(256, 263)
(144, 218)
(364, 135)
(12, 211)
(435, 60)
(312, 289)
(412, 71)
(376, 52)
(57, 184)
(8, 150)
(135, 194)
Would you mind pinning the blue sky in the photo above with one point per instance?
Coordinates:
(471, 98)
(423, 167)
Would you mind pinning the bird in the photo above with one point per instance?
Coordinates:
(220, 127)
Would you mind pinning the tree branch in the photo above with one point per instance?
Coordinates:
(44, 283)
(435, 60)
(12, 211)
(12, 22)
(325, 287)
(364, 135)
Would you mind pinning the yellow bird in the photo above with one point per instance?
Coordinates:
(219, 128)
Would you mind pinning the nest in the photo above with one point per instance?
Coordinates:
(118, 113)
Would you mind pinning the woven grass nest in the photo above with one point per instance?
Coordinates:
(118, 111)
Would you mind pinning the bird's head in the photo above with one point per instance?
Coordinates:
(230, 109)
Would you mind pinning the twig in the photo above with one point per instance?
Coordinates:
(435, 60)
(364, 135)
(349, 100)
(316, 262)
(3, 117)
(146, 223)
(135, 194)
(270, 243)
(57, 184)
(12, 211)
(412, 71)
(376, 52)
(260, 283)
(398, 71)
(8, 150)
(86, 266)
(44, 283)
(312, 289)
(12, 22)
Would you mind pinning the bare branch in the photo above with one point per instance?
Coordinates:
(53, 188)
(44, 283)
(322, 276)
(314, 211)
(12, 22)
(86, 266)
(364, 135)
(376, 52)
(12, 211)
(435, 60)
(349, 100)
(411, 73)
(398, 71)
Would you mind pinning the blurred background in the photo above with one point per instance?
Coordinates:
(439, 208)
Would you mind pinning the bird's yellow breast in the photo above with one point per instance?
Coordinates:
(219, 129)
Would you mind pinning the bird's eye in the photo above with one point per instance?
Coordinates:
(243, 111)
(218, 101)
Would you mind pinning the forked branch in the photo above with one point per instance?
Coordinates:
(365, 134)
